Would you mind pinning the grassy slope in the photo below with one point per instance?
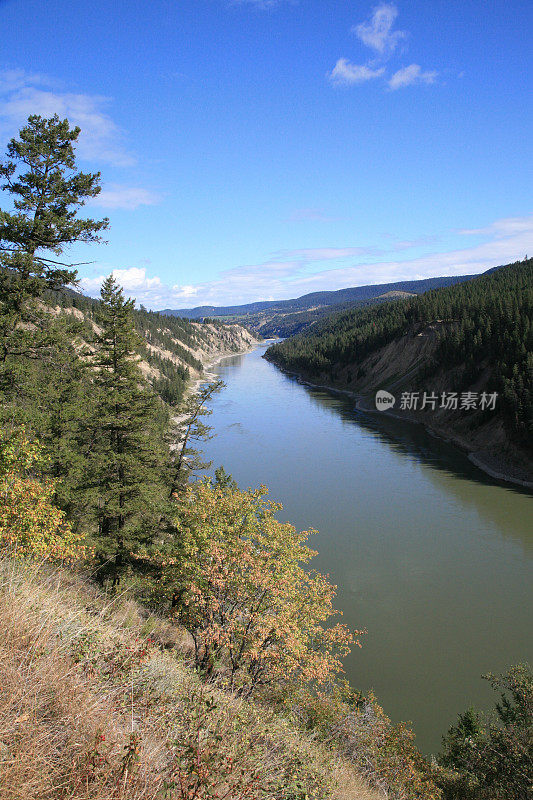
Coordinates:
(80, 673)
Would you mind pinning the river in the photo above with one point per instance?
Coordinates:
(430, 555)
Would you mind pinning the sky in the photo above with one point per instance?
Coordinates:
(263, 149)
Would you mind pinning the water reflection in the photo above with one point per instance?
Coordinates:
(431, 555)
(451, 470)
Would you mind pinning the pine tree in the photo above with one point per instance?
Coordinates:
(43, 380)
(40, 174)
(128, 460)
(61, 409)
(191, 429)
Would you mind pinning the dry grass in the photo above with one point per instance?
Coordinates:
(90, 709)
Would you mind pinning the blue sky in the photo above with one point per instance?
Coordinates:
(262, 149)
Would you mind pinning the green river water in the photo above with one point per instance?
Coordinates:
(431, 556)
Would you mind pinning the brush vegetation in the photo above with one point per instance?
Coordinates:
(163, 638)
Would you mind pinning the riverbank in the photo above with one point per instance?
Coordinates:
(207, 375)
(516, 470)
(211, 363)
(432, 557)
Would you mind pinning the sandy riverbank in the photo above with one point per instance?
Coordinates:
(208, 376)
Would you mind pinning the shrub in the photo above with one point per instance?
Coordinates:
(30, 524)
(239, 586)
(358, 727)
(493, 758)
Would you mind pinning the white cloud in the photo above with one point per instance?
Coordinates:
(503, 227)
(128, 197)
(132, 280)
(290, 274)
(377, 33)
(148, 291)
(24, 94)
(344, 73)
(135, 278)
(184, 291)
(407, 76)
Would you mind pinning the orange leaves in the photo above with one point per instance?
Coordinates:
(30, 525)
(257, 617)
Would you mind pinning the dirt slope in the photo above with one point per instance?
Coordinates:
(396, 367)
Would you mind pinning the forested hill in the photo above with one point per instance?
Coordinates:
(287, 317)
(307, 301)
(476, 336)
(173, 350)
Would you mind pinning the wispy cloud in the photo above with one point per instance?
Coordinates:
(407, 76)
(126, 197)
(294, 272)
(412, 244)
(510, 226)
(261, 4)
(12, 80)
(309, 215)
(311, 254)
(238, 284)
(24, 93)
(344, 73)
(377, 33)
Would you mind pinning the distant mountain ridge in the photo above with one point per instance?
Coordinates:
(306, 302)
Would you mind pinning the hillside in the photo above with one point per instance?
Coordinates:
(475, 337)
(174, 351)
(97, 701)
(286, 317)
(282, 325)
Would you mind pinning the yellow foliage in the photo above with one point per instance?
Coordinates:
(30, 524)
(245, 596)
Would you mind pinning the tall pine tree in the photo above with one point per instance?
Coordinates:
(129, 459)
(40, 174)
(43, 381)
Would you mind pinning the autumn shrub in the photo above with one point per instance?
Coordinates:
(357, 726)
(237, 576)
(90, 711)
(30, 524)
(385, 753)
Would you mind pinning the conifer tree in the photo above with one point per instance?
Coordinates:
(43, 380)
(40, 174)
(62, 406)
(128, 459)
(191, 429)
